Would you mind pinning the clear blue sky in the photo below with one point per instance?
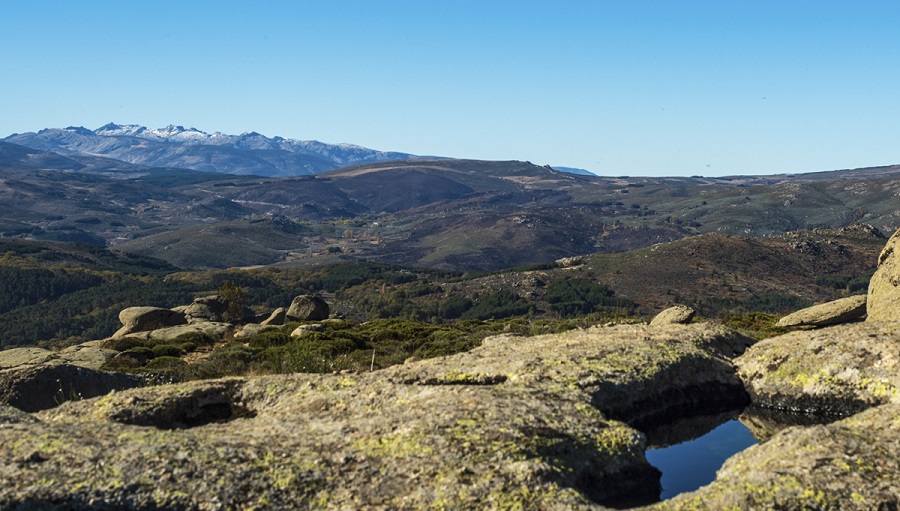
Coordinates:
(627, 87)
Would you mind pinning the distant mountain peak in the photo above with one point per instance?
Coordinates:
(112, 130)
(178, 147)
(81, 130)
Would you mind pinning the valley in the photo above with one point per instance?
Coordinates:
(509, 301)
(443, 213)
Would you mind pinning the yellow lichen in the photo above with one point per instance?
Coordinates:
(394, 445)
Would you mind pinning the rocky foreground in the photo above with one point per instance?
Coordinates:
(518, 423)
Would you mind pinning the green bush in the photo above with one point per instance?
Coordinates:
(757, 325)
(139, 352)
(501, 304)
(198, 338)
(120, 363)
(577, 297)
(454, 307)
(164, 363)
(446, 342)
(232, 359)
(166, 350)
(269, 338)
(188, 347)
(122, 344)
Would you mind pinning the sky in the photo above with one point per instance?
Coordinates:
(625, 87)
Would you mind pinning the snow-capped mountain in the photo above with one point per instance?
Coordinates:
(190, 148)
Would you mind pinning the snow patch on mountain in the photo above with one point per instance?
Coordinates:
(191, 148)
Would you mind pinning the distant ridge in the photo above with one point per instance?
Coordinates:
(249, 153)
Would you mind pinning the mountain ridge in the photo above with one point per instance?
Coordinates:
(249, 153)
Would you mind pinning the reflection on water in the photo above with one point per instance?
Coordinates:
(688, 447)
(692, 464)
(764, 423)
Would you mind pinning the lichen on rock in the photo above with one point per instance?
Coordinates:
(517, 423)
(884, 287)
(839, 370)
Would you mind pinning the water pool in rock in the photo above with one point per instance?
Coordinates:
(691, 464)
(688, 449)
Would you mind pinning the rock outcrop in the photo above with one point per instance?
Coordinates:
(145, 319)
(81, 355)
(276, 318)
(33, 379)
(206, 309)
(838, 370)
(832, 313)
(675, 315)
(884, 288)
(308, 308)
(516, 423)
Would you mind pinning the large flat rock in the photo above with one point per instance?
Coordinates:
(514, 424)
(832, 313)
(38, 387)
(838, 370)
(626, 370)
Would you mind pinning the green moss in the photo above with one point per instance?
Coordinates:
(395, 445)
(525, 497)
(464, 378)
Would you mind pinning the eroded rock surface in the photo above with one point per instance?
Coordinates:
(675, 315)
(33, 379)
(145, 319)
(838, 370)
(518, 423)
(832, 313)
(513, 424)
(206, 309)
(628, 371)
(33, 387)
(884, 287)
(308, 308)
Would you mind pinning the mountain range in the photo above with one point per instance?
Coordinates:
(189, 148)
(427, 212)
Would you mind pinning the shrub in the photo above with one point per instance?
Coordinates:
(501, 304)
(454, 307)
(577, 297)
(198, 338)
(233, 359)
(269, 338)
(140, 352)
(188, 347)
(122, 344)
(120, 363)
(758, 325)
(166, 350)
(164, 363)
(234, 298)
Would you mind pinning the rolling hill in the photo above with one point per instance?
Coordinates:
(440, 213)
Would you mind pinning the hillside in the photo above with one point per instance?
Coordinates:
(438, 213)
(65, 293)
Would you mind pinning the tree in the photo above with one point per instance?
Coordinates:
(234, 297)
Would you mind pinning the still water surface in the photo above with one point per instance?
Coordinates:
(692, 464)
